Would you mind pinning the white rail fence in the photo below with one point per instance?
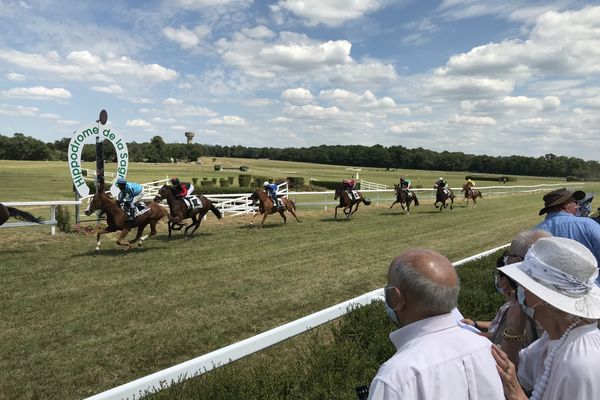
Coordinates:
(163, 379)
(52, 204)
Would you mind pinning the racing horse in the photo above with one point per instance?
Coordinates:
(471, 194)
(267, 207)
(347, 203)
(441, 196)
(180, 211)
(405, 196)
(117, 220)
(7, 212)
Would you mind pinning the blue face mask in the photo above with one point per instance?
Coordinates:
(584, 210)
(389, 311)
(521, 298)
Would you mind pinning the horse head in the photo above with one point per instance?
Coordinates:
(254, 197)
(396, 188)
(338, 192)
(163, 193)
(96, 203)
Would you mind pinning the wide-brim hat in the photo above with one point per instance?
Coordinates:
(560, 196)
(568, 257)
(588, 198)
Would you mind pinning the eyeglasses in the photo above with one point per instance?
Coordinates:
(506, 257)
(385, 290)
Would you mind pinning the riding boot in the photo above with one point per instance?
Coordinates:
(132, 213)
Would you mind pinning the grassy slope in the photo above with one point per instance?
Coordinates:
(75, 322)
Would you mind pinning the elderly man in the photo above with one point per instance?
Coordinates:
(556, 288)
(561, 206)
(435, 359)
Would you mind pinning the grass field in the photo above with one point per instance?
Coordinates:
(75, 321)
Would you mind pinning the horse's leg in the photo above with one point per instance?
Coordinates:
(291, 210)
(122, 235)
(103, 232)
(193, 223)
(197, 224)
(451, 202)
(282, 213)
(142, 238)
(394, 203)
(335, 214)
(408, 207)
(267, 211)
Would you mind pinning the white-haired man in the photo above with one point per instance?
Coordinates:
(435, 358)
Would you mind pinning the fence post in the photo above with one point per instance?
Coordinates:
(53, 220)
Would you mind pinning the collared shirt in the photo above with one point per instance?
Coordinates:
(574, 373)
(438, 360)
(582, 230)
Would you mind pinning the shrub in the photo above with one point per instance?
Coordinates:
(244, 180)
(63, 219)
(224, 182)
(492, 178)
(295, 182)
(217, 167)
(195, 181)
(230, 179)
(331, 185)
(208, 190)
(244, 168)
(206, 182)
(260, 179)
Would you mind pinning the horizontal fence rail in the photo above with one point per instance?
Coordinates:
(200, 365)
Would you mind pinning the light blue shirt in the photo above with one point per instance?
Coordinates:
(131, 190)
(583, 230)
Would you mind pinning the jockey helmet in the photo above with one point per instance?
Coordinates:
(266, 183)
(441, 179)
(121, 181)
(175, 181)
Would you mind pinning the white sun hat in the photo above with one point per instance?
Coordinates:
(561, 272)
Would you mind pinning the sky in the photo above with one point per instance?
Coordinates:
(477, 76)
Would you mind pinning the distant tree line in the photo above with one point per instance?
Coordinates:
(21, 147)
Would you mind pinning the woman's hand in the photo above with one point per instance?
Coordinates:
(508, 375)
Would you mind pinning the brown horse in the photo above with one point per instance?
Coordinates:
(441, 196)
(267, 207)
(471, 194)
(346, 203)
(117, 219)
(180, 210)
(7, 212)
(405, 196)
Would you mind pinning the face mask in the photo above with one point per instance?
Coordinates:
(529, 311)
(389, 311)
(498, 287)
(584, 210)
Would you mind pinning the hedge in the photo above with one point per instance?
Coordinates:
(502, 179)
(244, 180)
(331, 185)
(295, 182)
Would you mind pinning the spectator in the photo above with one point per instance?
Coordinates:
(508, 288)
(561, 206)
(435, 358)
(557, 288)
(585, 205)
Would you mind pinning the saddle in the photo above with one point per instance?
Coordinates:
(353, 194)
(139, 209)
(192, 202)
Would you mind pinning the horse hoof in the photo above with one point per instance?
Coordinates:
(97, 248)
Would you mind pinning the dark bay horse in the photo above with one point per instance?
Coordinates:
(7, 212)
(347, 203)
(180, 210)
(117, 219)
(266, 206)
(471, 194)
(405, 196)
(441, 196)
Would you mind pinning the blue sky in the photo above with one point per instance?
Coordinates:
(483, 77)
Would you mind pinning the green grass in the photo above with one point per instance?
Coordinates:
(76, 322)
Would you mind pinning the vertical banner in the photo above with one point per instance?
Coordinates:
(86, 134)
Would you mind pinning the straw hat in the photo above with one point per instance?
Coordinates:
(560, 196)
(561, 272)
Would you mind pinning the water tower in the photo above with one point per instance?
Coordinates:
(189, 136)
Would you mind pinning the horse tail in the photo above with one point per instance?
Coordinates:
(367, 202)
(22, 215)
(293, 205)
(416, 200)
(216, 211)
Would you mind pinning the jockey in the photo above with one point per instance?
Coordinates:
(181, 190)
(349, 185)
(404, 183)
(130, 194)
(469, 185)
(271, 189)
(441, 183)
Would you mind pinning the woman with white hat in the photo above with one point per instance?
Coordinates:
(557, 288)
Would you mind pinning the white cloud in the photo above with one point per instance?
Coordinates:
(261, 102)
(228, 120)
(83, 65)
(24, 4)
(473, 120)
(346, 98)
(297, 96)
(185, 37)
(39, 93)
(49, 116)
(112, 89)
(138, 123)
(18, 111)
(327, 12)
(466, 87)
(203, 4)
(172, 102)
(178, 127)
(410, 127)
(68, 122)
(15, 77)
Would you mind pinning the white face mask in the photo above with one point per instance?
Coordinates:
(391, 313)
(529, 311)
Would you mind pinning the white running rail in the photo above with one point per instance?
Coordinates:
(52, 204)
